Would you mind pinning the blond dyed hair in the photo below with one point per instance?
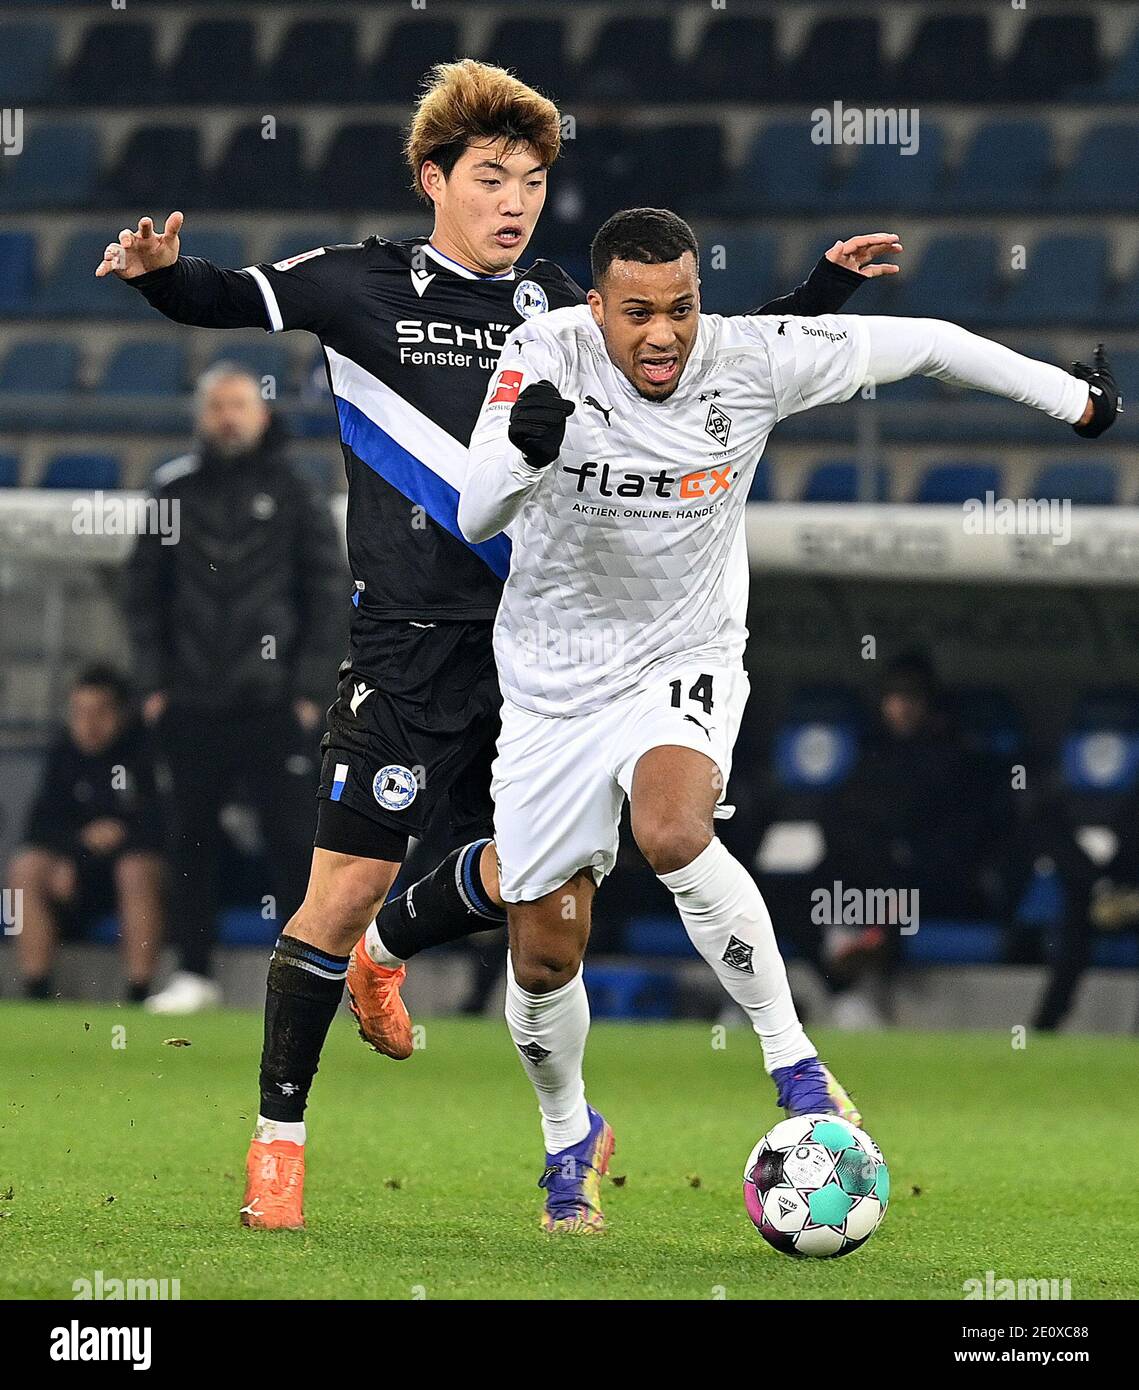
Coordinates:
(470, 101)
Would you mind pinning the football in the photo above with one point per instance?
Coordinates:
(816, 1186)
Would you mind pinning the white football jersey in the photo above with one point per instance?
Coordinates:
(628, 550)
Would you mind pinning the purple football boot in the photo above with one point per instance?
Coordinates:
(809, 1088)
(573, 1182)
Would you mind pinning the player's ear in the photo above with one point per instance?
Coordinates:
(596, 307)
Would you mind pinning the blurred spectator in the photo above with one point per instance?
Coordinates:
(237, 630)
(93, 838)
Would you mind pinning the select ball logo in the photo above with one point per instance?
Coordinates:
(395, 787)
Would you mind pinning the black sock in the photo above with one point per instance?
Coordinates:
(448, 904)
(38, 987)
(303, 993)
(138, 990)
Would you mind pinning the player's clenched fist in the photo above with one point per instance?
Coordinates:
(139, 251)
(1104, 402)
(538, 423)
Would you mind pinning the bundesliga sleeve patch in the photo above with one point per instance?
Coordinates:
(506, 392)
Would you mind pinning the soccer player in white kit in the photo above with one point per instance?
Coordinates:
(616, 446)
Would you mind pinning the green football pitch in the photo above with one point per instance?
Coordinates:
(123, 1154)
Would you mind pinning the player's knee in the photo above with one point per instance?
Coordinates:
(668, 838)
(543, 966)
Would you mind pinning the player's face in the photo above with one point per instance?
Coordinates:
(94, 718)
(648, 315)
(487, 208)
(232, 417)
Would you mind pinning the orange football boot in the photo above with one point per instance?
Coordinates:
(373, 996)
(274, 1186)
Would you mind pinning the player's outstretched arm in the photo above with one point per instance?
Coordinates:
(837, 275)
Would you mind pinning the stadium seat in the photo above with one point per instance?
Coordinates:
(816, 743)
(950, 59)
(9, 470)
(108, 51)
(955, 278)
(257, 173)
(40, 367)
(988, 720)
(885, 177)
(1063, 283)
(58, 168)
(1083, 187)
(1120, 83)
(737, 271)
(412, 47)
(160, 167)
(17, 271)
(1092, 482)
(842, 56)
(269, 359)
(739, 49)
(145, 369)
(363, 169)
(630, 992)
(948, 483)
(631, 60)
(760, 488)
(536, 47)
(657, 936)
(27, 61)
(838, 480)
(1056, 52)
(71, 290)
(1007, 165)
(215, 62)
(81, 471)
(694, 158)
(954, 943)
(1100, 753)
(223, 248)
(785, 170)
(316, 62)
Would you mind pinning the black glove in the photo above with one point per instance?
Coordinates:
(538, 423)
(1107, 403)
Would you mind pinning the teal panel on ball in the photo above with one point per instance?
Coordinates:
(882, 1184)
(828, 1205)
(856, 1172)
(832, 1135)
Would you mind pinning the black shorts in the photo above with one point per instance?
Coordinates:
(414, 738)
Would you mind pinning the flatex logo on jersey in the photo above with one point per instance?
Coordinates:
(701, 485)
(441, 343)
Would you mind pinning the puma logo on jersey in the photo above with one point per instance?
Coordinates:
(605, 410)
(693, 720)
(361, 693)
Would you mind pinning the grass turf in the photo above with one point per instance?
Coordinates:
(421, 1175)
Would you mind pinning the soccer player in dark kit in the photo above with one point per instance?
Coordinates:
(411, 332)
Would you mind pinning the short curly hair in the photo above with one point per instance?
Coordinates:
(468, 100)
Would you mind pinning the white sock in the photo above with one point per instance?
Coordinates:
(724, 914)
(558, 1024)
(267, 1130)
(378, 952)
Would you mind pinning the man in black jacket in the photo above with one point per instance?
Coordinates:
(235, 628)
(93, 838)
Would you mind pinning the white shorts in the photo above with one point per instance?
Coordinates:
(559, 784)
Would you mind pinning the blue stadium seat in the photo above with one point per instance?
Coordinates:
(631, 60)
(1056, 53)
(1094, 482)
(536, 47)
(59, 168)
(72, 291)
(837, 480)
(955, 943)
(884, 177)
(257, 173)
(955, 279)
(1006, 165)
(1100, 753)
(245, 926)
(145, 369)
(1121, 83)
(317, 61)
(1063, 283)
(950, 59)
(785, 170)
(740, 276)
(1084, 188)
(27, 61)
(988, 720)
(363, 169)
(108, 51)
(949, 483)
(842, 56)
(760, 488)
(17, 271)
(657, 936)
(9, 470)
(696, 171)
(630, 992)
(413, 46)
(215, 62)
(82, 471)
(223, 248)
(40, 367)
(159, 168)
(816, 743)
(735, 49)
